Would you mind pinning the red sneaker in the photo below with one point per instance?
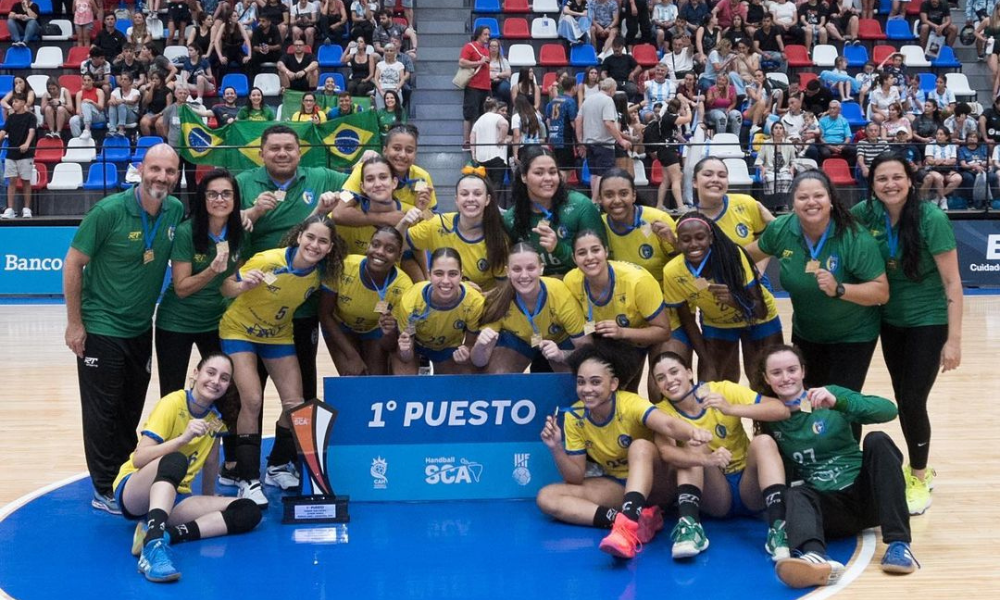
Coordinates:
(622, 541)
(650, 523)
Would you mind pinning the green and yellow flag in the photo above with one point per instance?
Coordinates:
(291, 102)
(337, 144)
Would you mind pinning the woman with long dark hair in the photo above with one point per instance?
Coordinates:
(922, 321)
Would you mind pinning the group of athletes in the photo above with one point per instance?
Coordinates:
(555, 283)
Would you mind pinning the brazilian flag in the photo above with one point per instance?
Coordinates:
(291, 102)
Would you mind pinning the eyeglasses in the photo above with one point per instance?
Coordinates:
(212, 195)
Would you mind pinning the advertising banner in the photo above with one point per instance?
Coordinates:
(978, 252)
(447, 437)
(33, 259)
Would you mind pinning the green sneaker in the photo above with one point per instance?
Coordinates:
(929, 475)
(777, 542)
(918, 495)
(689, 538)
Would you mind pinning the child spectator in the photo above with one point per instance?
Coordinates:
(84, 13)
(19, 131)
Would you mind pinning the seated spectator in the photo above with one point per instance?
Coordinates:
(156, 97)
(332, 21)
(246, 14)
(622, 68)
(23, 22)
(812, 18)
(893, 65)
(345, 106)
(944, 97)
(179, 15)
(935, 16)
(57, 107)
(755, 16)
(784, 96)
(895, 123)
(308, 111)
(725, 10)
(265, 44)
(659, 89)
(363, 19)
(500, 72)
(940, 160)
(604, 26)
(884, 93)
(390, 5)
(989, 123)
(298, 70)
(138, 34)
(123, 106)
(695, 14)
(390, 74)
(868, 148)
(707, 36)
(154, 61)
(835, 136)
(743, 68)
(328, 90)
(84, 14)
(793, 119)
(407, 61)
(303, 17)
(387, 30)
(255, 109)
(866, 79)
(680, 60)
(109, 39)
(276, 12)
(231, 43)
(128, 63)
(973, 158)
(20, 87)
(759, 98)
(737, 32)
(19, 131)
(768, 43)
(960, 123)
(197, 72)
(574, 22)
(717, 64)
(90, 102)
(225, 112)
(816, 97)
(362, 65)
(843, 21)
(392, 114)
(913, 98)
(720, 102)
(786, 19)
(838, 78)
(98, 67)
(926, 124)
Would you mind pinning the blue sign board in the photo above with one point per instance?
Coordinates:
(33, 259)
(447, 437)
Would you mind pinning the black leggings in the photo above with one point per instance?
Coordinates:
(913, 357)
(173, 354)
(844, 364)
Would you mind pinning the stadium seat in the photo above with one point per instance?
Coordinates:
(79, 150)
(115, 149)
(726, 145)
(580, 75)
(101, 176)
(48, 57)
(546, 6)
(739, 173)
(516, 6)
(805, 78)
(870, 29)
(65, 31)
(881, 52)
(17, 57)
(122, 25)
(5, 6)
(37, 83)
(884, 7)
(913, 57)
(330, 56)
(645, 55)
(898, 30)
(522, 55)
(854, 115)
(781, 78)
(144, 143)
(291, 49)
(338, 80)
(856, 55)
(583, 55)
(490, 22)
(39, 178)
(76, 56)
(175, 54)
(6, 84)
(656, 173)
(913, 9)
(155, 26)
(548, 79)
(640, 173)
(67, 176)
(928, 81)
(797, 56)
(585, 173)
(238, 81)
(44, 7)
(839, 172)
(4, 31)
(486, 6)
(824, 55)
(49, 150)
(552, 55)
(946, 59)
(516, 28)
(72, 83)
(269, 84)
(544, 28)
(959, 83)
(200, 171)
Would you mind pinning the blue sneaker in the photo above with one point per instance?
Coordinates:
(105, 503)
(899, 559)
(155, 562)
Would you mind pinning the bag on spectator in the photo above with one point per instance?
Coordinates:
(934, 43)
(132, 175)
(51, 29)
(463, 77)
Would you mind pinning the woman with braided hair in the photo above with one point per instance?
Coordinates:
(717, 276)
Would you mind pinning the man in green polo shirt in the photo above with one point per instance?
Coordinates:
(277, 197)
(112, 276)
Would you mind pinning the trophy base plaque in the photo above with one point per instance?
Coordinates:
(307, 510)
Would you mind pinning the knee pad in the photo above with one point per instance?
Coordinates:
(241, 516)
(172, 469)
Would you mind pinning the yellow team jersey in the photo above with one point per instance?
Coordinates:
(740, 218)
(635, 297)
(357, 294)
(169, 419)
(727, 430)
(607, 443)
(633, 244)
(442, 231)
(441, 327)
(558, 316)
(679, 287)
(357, 238)
(404, 189)
(264, 314)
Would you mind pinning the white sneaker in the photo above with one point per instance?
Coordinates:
(85, 135)
(808, 570)
(284, 476)
(942, 203)
(252, 490)
(8, 214)
(26, 213)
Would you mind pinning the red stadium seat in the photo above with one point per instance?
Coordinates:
(49, 150)
(656, 173)
(870, 29)
(516, 6)
(913, 8)
(548, 79)
(43, 178)
(291, 49)
(6, 5)
(553, 55)
(881, 52)
(4, 32)
(805, 78)
(516, 28)
(645, 55)
(200, 171)
(71, 82)
(797, 56)
(76, 56)
(401, 21)
(839, 172)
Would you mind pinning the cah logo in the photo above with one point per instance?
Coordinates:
(459, 324)
(646, 251)
(721, 431)
(622, 321)
(624, 440)
(787, 254)
(170, 233)
(555, 329)
(308, 196)
(378, 470)
(563, 232)
(482, 265)
(819, 427)
(742, 231)
(444, 470)
(832, 263)
(521, 473)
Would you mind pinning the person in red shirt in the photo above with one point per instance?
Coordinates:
(475, 55)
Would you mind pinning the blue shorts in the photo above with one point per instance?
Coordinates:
(374, 334)
(509, 340)
(756, 332)
(681, 336)
(120, 491)
(435, 356)
(736, 507)
(231, 347)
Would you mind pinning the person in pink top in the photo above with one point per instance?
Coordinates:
(84, 14)
(720, 101)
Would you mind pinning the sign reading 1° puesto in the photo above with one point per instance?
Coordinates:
(312, 424)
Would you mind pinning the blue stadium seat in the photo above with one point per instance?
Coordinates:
(338, 80)
(899, 30)
(144, 143)
(490, 22)
(884, 7)
(44, 7)
(102, 176)
(6, 84)
(115, 149)
(946, 59)
(17, 57)
(123, 25)
(852, 112)
(585, 173)
(486, 6)
(237, 81)
(330, 55)
(928, 81)
(856, 55)
(583, 55)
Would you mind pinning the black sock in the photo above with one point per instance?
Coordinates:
(774, 501)
(156, 522)
(283, 451)
(185, 532)
(689, 501)
(604, 518)
(248, 456)
(634, 503)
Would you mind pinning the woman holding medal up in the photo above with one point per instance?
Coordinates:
(922, 321)
(258, 323)
(354, 314)
(375, 200)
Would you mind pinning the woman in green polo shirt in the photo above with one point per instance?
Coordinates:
(922, 322)
(833, 273)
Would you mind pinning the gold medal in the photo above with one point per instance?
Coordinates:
(812, 266)
(381, 307)
(346, 198)
(701, 284)
(279, 195)
(589, 328)
(543, 223)
(420, 186)
(148, 256)
(270, 277)
(891, 264)
(222, 246)
(426, 214)
(806, 405)
(647, 229)
(536, 340)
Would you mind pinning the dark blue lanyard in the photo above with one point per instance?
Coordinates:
(814, 251)
(381, 291)
(701, 267)
(693, 390)
(590, 300)
(891, 237)
(531, 314)
(148, 236)
(636, 222)
(546, 213)
(797, 401)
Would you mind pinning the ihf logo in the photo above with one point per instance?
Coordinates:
(378, 470)
(521, 473)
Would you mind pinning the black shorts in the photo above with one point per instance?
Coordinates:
(565, 157)
(180, 13)
(600, 159)
(668, 155)
(472, 103)
(619, 151)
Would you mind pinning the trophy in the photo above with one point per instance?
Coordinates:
(312, 424)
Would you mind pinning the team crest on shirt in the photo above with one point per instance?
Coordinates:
(787, 254)
(310, 291)
(170, 232)
(482, 265)
(742, 231)
(555, 329)
(832, 263)
(459, 324)
(622, 321)
(308, 197)
(721, 431)
(200, 258)
(562, 232)
(819, 427)
(624, 440)
(646, 251)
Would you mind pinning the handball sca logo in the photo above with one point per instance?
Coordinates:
(832, 263)
(721, 431)
(459, 324)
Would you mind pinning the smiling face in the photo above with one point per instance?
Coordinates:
(694, 239)
(377, 181)
(471, 198)
(446, 279)
(812, 203)
(542, 178)
(159, 171)
(315, 243)
(383, 252)
(390, 102)
(256, 98)
(590, 255)
(617, 198)
(281, 155)
(401, 150)
(308, 104)
(712, 182)
(212, 380)
(672, 378)
(784, 373)
(595, 383)
(219, 198)
(523, 271)
(891, 183)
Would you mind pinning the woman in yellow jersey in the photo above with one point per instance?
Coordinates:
(739, 216)
(528, 316)
(181, 438)
(258, 323)
(439, 319)
(717, 276)
(475, 231)
(737, 476)
(606, 458)
(375, 198)
(620, 301)
(309, 111)
(355, 312)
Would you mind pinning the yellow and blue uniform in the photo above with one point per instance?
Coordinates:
(357, 296)
(169, 419)
(635, 297)
(260, 320)
(357, 238)
(440, 330)
(631, 244)
(555, 316)
(679, 287)
(607, 443)
(740, 218)
(404, 193)
(442, 231)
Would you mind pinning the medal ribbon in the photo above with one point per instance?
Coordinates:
(148, 236)
(815, 250)
(891, 238)
(531, 314)
(381, 291)
(701, 267)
